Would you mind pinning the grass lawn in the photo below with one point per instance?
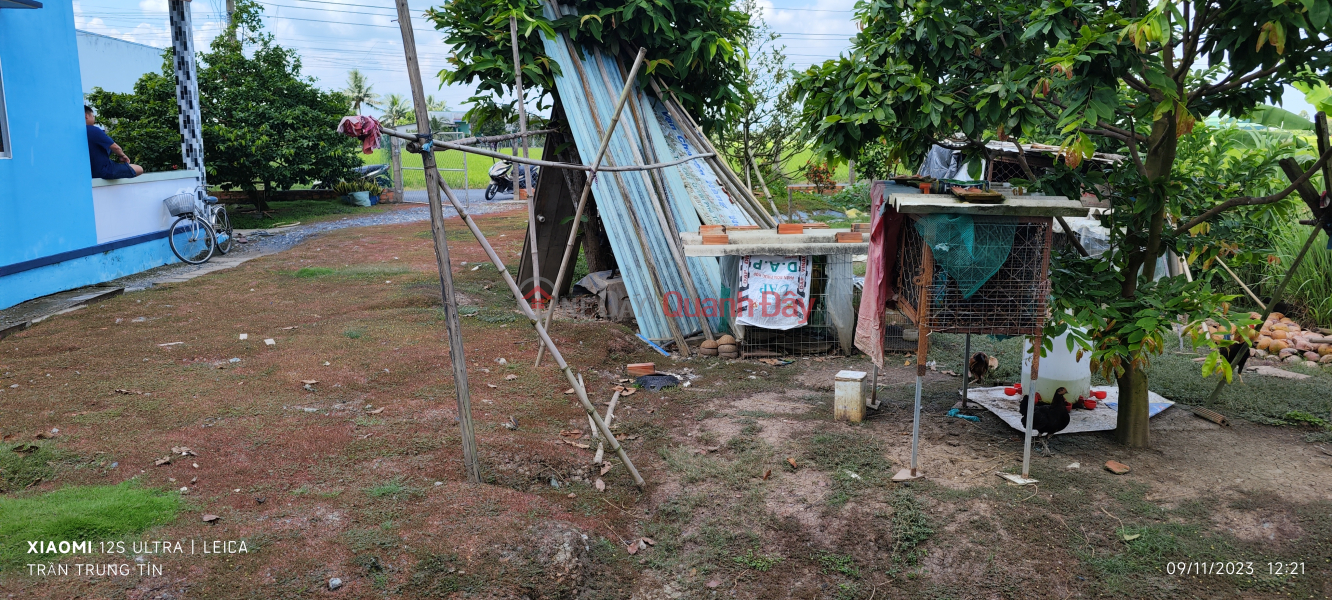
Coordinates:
(477, 167)
(243, 216)
(91, 513)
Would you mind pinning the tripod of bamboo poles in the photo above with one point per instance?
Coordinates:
(436, 185)
(526, 181)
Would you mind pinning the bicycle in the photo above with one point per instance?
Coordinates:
(201, 228)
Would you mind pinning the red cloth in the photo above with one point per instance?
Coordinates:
(362, 128)
(880, 274)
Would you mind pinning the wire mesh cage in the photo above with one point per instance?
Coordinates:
(818, 337)
(1012, 301)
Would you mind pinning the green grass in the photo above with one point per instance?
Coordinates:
(910, 527)
(394, 489)
(477, 167)
(24, 465)
(291, 211)
(758, 562)
(92, 513)
(854, 463)
(372, 271)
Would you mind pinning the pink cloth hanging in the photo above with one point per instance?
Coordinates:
(880, 273)
(362, 128)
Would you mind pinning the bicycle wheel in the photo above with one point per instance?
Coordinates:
(192, 239)
(222, 228)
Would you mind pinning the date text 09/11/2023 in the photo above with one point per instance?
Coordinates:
(1233, 568)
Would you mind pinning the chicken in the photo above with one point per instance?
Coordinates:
(1049, 418)
(981, 365)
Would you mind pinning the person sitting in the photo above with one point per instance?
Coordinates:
(100, 149)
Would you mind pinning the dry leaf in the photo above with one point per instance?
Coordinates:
(572, 432)
(491, 385)
(170, 344)
(129, 392)
(30, 448)
(619, 388)
(309, 381)
(510, 377)
(43, 436)
(767, 475)
(210, 518)
(601, 485)
(183, 451)
(165, 460)
(622, 380)
(576, 444)
(633, 548)
(291, 328)
(375, 411)
(792, 463)
(606, 467)
(569, 391)
(628, 392)
(649, 541)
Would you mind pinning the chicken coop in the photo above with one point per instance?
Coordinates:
(973, 268)
(823, 298)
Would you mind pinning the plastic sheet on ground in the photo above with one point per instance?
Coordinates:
(1101, 419)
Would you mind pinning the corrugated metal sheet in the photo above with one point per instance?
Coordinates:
(691, 188)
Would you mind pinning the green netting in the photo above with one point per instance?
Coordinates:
(968, 252)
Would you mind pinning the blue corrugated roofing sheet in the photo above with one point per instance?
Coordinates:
(692, 188)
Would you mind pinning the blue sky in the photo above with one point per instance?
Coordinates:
(336, 36)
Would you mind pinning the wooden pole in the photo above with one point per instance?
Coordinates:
(451, 320)
(395, 153)
(766, 192)
(526, 308)
(566, 261)
(537, 292)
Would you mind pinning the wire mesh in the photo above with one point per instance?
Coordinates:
(1012, 302)
(818, 337)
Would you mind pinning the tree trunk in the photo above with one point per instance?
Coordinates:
(1131, 428)
(596, 249)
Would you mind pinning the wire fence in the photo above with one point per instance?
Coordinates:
(461, 170)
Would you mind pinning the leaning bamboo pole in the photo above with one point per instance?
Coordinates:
(759, 174)
(451, 320)
(455, 333)
(526, 181)
(658, 206)
(566, 260)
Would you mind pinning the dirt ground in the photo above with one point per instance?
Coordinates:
(753, 491)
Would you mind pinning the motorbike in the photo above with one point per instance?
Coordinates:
(501, 178)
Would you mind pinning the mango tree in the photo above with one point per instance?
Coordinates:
(1120, 75)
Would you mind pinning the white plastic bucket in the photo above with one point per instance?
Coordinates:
(1060, 367)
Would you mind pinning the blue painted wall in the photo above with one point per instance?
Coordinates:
(45, 187)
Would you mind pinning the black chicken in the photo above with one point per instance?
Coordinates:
(1049, 419)
(981, 365)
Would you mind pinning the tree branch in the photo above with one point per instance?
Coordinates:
(1251, 201)
(1227, 84)
(1133, 151)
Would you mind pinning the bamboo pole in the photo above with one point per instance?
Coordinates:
(764, 182)
(454, 326)
(650, 261)
(574, 381)
(724, 167)
(414, 145)
(728, 178)
(658, 205)
(526, 181)
(610, 415)
(566, 260)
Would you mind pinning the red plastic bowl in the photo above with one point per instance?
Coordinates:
(1090, 404)
(1008, 391)
(1099, 395)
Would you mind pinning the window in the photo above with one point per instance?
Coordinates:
(4, 120)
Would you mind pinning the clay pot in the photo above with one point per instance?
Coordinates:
(729, 354)
(708, 351)
(725, 348)
(726, 340)
(708, 345)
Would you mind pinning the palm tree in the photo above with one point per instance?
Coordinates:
(359, 91)
(396, 110)
(436, 105)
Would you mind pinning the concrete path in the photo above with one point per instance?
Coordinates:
(263, 242)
